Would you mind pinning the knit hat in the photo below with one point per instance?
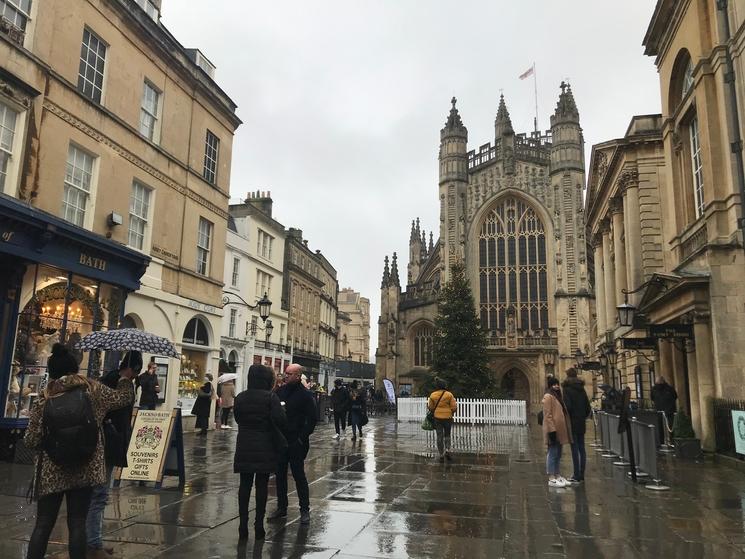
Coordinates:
(61, 362)
(551, 381)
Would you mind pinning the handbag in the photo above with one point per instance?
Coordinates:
(429, 420)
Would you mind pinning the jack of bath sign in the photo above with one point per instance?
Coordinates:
(738, 425)
(148, 445)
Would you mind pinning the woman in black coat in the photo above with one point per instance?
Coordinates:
(203, 404)
(259, 416)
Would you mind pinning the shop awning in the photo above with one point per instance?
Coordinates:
(37, 236)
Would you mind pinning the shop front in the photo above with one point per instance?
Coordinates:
(59, 283)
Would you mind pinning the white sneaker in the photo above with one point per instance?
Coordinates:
(565, 481)
(556, 482)
(336, 436)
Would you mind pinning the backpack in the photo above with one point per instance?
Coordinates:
(70, 430)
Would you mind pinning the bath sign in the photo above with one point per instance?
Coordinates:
(148, 445)
(738, 428)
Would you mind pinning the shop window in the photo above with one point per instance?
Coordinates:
(78, 183)
(57, 306)
(92, 64)
(8, 118)
(204, 239)
(139, 212)
(196, 332)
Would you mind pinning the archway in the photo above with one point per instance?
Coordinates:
(515, 385)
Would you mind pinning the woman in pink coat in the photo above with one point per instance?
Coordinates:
(556, 431)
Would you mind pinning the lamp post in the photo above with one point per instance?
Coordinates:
(264, 305)
(580, 357)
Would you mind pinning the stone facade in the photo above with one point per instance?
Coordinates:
(512, 211)
(698, 49)
(353, 340)
(134, 120)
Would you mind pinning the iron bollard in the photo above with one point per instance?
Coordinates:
(594, 443)
(666, 447)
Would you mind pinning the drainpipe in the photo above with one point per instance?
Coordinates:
(733, 116)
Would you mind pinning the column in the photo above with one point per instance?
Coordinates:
(693, 385)
(599, 289)
(632, 232)
(619, 252)
(706, 389)
(610, 282)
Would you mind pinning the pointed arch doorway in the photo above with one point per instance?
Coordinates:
(515, 385)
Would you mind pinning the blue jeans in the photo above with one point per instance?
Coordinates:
(553, 457)
(579, 458)
(94, 522)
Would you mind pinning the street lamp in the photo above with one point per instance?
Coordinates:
(268, 328)
(603, 358)
(264, 305)
(612, 357)
(580, 357)
(626, 313)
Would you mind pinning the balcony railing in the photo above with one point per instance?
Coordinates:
(13, 32)
(263, 344)
(523, 339)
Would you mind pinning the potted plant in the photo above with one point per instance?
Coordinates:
(684, 438)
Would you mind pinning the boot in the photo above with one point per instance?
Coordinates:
(278, 514)
(304, 517)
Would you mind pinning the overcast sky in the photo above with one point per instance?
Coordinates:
(342, 101)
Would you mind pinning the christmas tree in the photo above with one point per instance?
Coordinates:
(459, 350)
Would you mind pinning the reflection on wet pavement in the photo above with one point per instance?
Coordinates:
(387, 496)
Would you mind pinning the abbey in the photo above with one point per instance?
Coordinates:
(512, 212)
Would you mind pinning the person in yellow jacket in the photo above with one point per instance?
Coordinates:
(442, 403)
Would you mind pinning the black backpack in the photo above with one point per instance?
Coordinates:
(70, 430)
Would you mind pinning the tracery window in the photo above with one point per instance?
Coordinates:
(512, 268)
(423, 336)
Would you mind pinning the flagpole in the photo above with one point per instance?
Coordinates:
(535, 87)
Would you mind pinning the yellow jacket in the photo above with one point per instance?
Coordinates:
(447, 406)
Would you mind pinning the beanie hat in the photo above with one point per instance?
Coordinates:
(61, 362)
(552, 381)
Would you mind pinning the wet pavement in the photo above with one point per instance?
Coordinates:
(386, 496)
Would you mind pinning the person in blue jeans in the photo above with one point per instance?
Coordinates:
(556, 431)
(116, 429)
(578, 407)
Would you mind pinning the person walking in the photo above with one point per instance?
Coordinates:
(116, 432)
(357, 413)
(443, 405)
(259, 415)
(579, 410)
(65, 429)
(203, 404)
(665, 398)
(556, 431)
(227, 399)
(149, 387)
(300, 407)
(340, 401)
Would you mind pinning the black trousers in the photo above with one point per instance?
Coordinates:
(225, 415)
(340, 418)
(47, 509)
(442, 429)
(244, 495)
(295, 459)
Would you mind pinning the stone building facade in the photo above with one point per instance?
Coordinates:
(512, 211)
(353, 338)
(114, 133)
(698, 50)
(624, 219)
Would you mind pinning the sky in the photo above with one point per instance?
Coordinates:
(342, 101)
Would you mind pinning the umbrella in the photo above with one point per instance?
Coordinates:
(227, 377)
(126, 339)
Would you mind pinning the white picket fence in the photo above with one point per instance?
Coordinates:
(474, 411)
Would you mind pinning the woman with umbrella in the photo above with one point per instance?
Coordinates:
(203, 404)
(226, 383)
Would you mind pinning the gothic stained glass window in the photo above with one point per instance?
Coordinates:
(512, 267)
(423, 336)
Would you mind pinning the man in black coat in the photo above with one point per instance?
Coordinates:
(116, 429)
(300, 407)
(665, 398)
(341, 401)
(578, 408)
(149, 387)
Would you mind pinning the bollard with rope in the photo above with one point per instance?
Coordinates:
(595, 443)
(667, 447)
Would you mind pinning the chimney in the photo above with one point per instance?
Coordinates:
(262, 201)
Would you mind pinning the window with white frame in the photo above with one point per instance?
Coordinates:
(8, 118)
(139, 210)
(282, 334)
(150, 8)
(211, 153)
(236, 272)
(92, 63)
(78, 183)
(233, 320)
(204, 237)
(263, 283)
(149, 112)
(264, 244)
(17, 12)
(696, 167)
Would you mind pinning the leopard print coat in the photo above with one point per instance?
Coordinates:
(54, 478)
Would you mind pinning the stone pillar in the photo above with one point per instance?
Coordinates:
(610, 282)
(599, 290)
(706, 388)
(693, 387)
(632, 232)
(619, 252)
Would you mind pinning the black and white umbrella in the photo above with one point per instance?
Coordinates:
(127, 339)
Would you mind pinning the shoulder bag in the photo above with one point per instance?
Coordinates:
(429, 420)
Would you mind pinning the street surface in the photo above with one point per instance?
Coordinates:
(385, 496)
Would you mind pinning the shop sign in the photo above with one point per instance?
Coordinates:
(148, 445)
(92, 262)
(638, 343)
(200, 307)
(738, 428)
(664, 331)
(7, 236)
(167, 255)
